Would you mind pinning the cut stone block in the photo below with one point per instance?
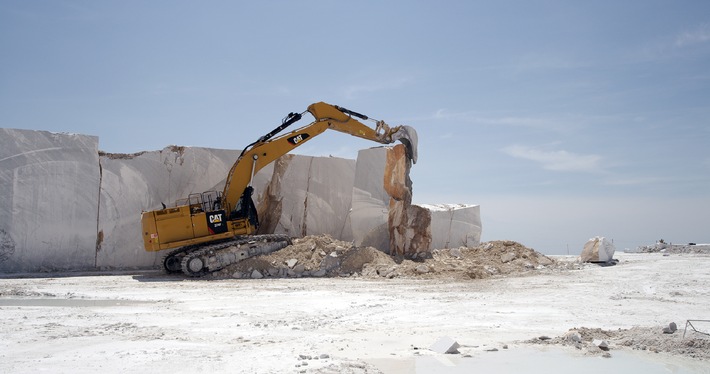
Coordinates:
(597, 249)
(308, 195)
(454, 225)
(131, 184)
(49, 188)
(370, 201)
(445, 345)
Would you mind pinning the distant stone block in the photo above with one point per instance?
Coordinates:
(597, 249)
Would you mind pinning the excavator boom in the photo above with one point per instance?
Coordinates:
(327, 117)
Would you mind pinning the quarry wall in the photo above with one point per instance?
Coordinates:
(66, 206)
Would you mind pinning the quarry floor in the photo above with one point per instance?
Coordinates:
(149, 322)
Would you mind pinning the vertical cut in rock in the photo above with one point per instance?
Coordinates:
(269, 208)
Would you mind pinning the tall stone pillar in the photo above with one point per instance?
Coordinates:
(409, 225)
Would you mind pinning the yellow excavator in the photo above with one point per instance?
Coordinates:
(208, 231)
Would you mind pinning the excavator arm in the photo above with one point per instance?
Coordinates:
(272, 145)
(206, 235)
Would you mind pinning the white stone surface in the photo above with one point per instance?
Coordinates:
(139, 183)
(49, 188)
(62, 207)
(445, 344)
(370, 202)
(315, 196)
(454, 225)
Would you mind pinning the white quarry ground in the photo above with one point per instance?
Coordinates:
(149, 322)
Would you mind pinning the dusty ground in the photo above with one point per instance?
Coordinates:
(355, 323)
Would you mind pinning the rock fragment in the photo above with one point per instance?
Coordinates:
(573, 336)
(445, 345)
(601, 344)
(422, 269)
(456, 252)
(507, 257)
(670, 329)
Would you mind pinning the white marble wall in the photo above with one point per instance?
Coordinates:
(370, 201)
(454, 225)
(309, 195)
(62, 207)
(130, 185)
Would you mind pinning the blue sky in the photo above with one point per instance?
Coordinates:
(564, 120)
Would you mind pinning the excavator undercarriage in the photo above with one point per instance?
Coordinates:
(201, 259)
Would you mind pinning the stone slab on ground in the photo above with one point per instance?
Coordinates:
(445, 344)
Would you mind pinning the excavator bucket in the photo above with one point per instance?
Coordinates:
(408, 136)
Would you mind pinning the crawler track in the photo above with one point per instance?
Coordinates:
(198, 260)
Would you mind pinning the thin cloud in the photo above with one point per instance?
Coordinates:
(385, 85)
(634, 181)
(444, 114)
(557, 160)
(549, 124)
(700, 34)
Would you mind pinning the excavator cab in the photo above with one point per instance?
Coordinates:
(246, 209)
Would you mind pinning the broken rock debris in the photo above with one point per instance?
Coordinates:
(321, 255)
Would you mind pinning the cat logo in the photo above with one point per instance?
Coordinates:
(297, 138)
(216, 218)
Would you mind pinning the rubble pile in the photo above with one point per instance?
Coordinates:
(674, 248)
(323, 256)
(596, 341)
